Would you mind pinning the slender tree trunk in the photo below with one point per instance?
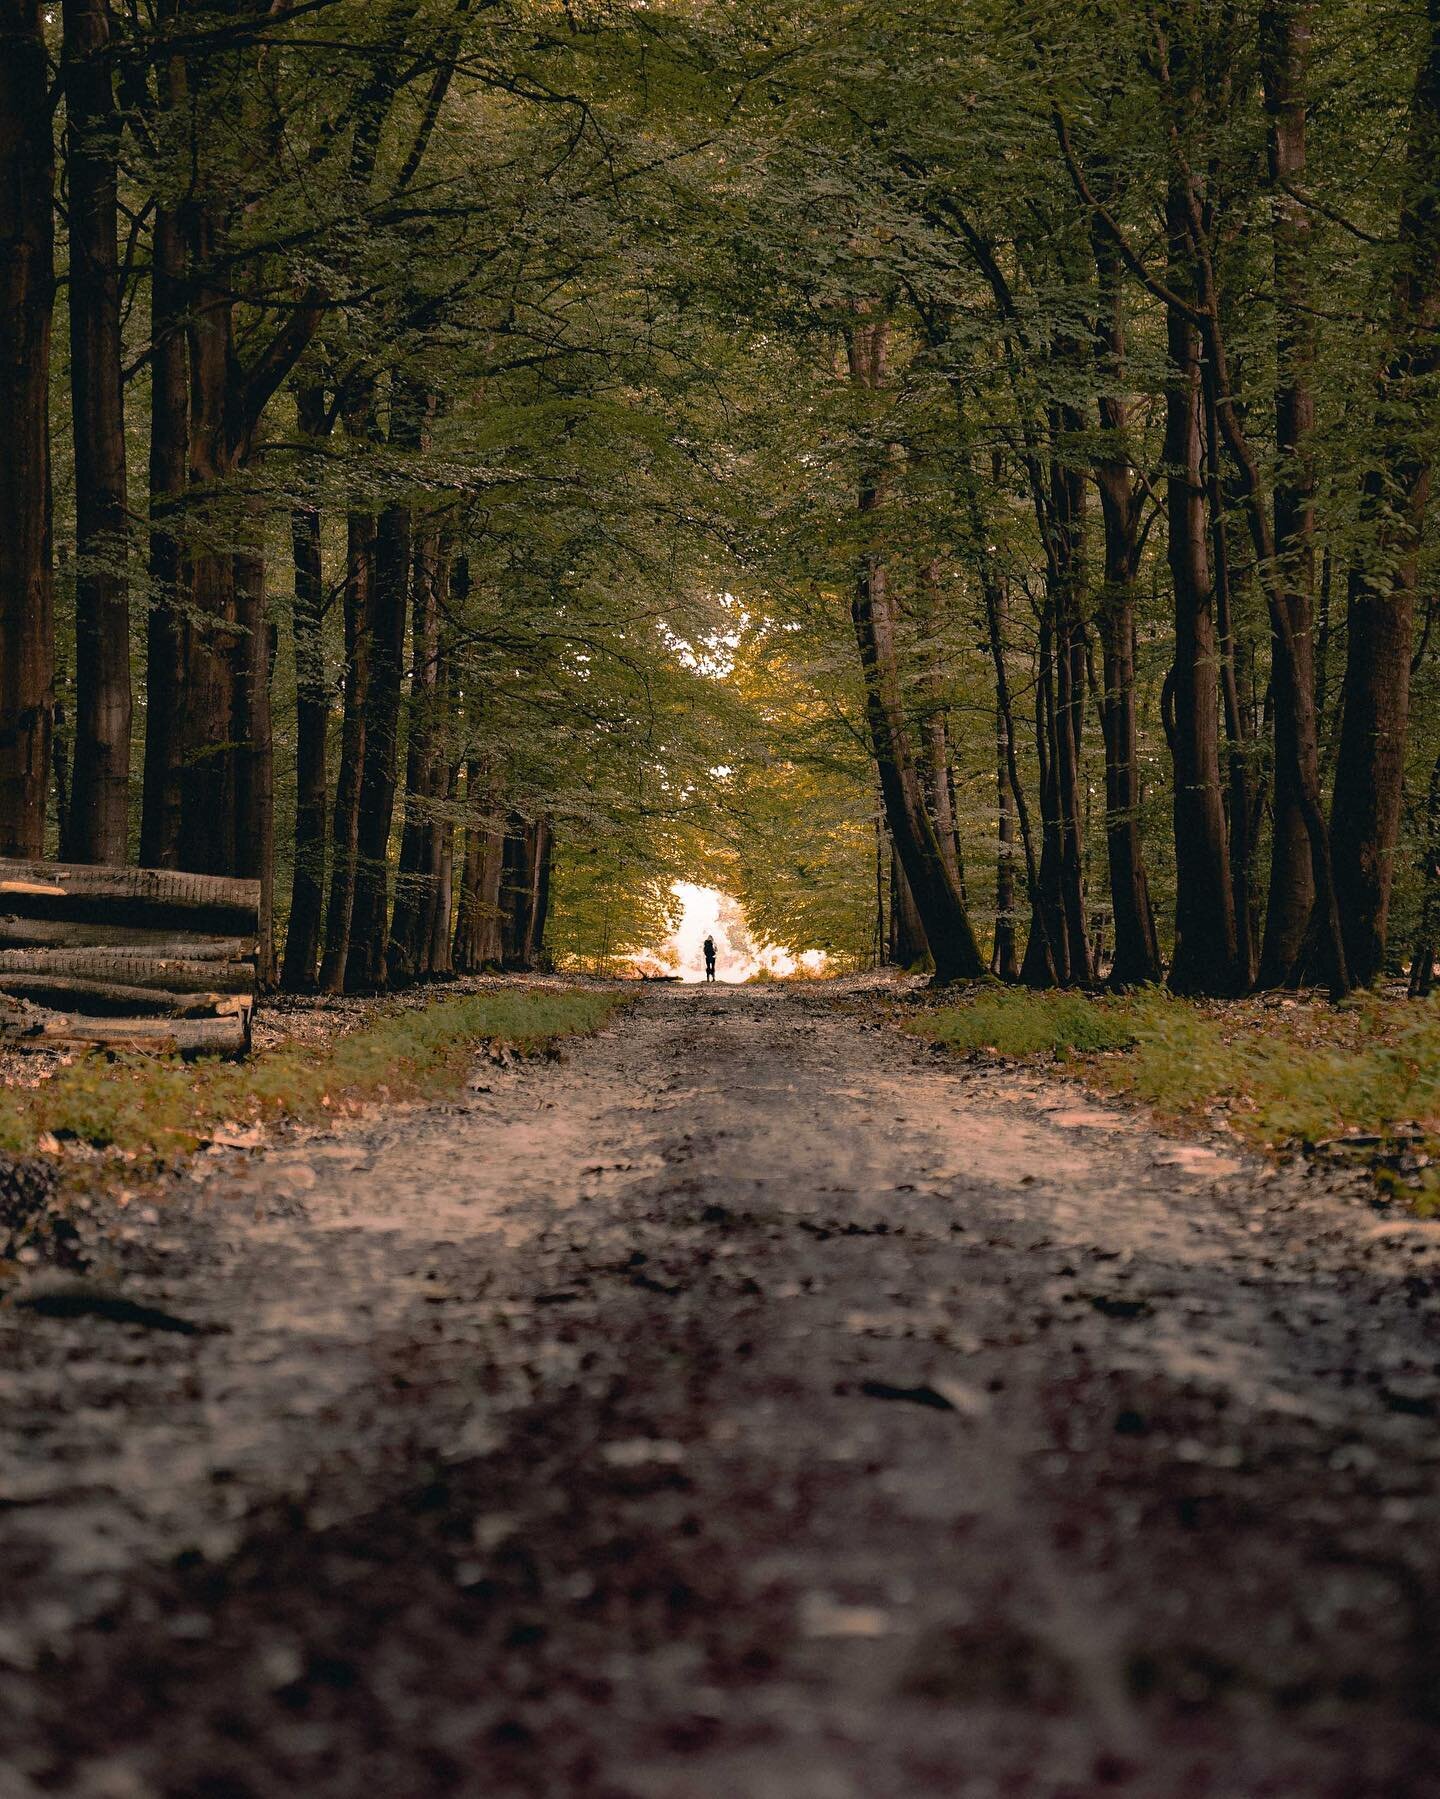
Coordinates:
(477, 927)
(208, 825)
(935, 776)
(1047, 949)
(1068, 508)
(996, 614)
(1242, 812)
(27, 289)
(360, 546)
(951, 937)
(1206, 952)
(1370, 769)
(254, 745)
(169, 457)
(541, 847)
(906, 945)
(358, 414)
(60, 760)
(1004, 961)
(1427, 941)
(1285, 33)
(514, 893)
(414, 885)
(438, 959)
(100, 821)
(312, 721)
(1137, 945)
(385, 628)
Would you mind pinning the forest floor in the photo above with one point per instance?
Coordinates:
(751, 1404)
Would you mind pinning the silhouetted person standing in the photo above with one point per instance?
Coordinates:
(709, 947)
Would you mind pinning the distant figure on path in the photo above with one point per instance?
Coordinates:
(709, 947)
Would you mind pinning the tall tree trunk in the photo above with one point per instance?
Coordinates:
(169, 458)
(1004, 961)
(384, 626)
(208, 826)
(1427, 941)
(438, 957)
(1068, 512)
(951, 936)
(1137, 945)
(1242, 813)
(360, 534)
(254, 750)
(100, 820)
(27, 289)
(1206, 952)
(1369, 772)
(1285, 33)
(312, 721)
(414, 884)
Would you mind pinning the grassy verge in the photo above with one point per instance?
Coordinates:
(1359, 1082)
(157, 1108)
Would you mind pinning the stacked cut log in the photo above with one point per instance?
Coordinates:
(139, 958)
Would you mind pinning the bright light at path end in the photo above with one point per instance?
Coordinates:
(713, 914)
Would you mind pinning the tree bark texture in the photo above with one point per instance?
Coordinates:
(1137, 947)
(169, 456)
(27, 290)
(1206, 956)
(254, 750)
(1285, 33)
(477, 942)
(1370, 768)
(360, 548)
(906, 945)
(312, 721)
(426, 774)
(100, 801)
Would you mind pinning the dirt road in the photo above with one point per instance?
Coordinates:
(751, 1406)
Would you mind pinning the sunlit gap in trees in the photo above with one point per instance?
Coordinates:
(709, 913)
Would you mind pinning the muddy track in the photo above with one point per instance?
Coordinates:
(750, 1406)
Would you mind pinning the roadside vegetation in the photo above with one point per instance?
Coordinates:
(1357, 1083)
(153, 1109)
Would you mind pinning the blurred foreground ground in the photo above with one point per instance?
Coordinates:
(752, 1405)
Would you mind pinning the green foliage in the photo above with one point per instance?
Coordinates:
(160, 1107)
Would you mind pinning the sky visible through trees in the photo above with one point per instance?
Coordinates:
(954, 477)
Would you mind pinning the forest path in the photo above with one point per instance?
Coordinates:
(752, 1405)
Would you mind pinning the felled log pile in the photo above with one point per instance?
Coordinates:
(140, 958)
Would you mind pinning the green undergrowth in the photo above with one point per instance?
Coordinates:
(1282, 1073)
(160, 1107)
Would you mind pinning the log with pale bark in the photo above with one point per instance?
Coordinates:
(37, 1028)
